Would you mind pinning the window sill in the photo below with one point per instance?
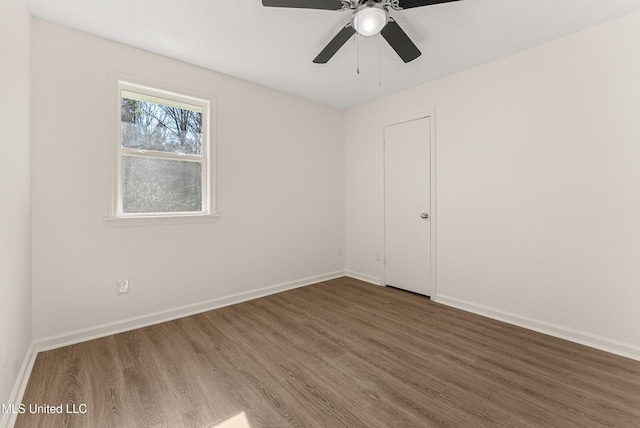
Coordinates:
(155, 221)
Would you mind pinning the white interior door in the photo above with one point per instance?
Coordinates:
(407, 188)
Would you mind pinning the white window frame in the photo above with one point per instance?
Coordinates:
(207, 104)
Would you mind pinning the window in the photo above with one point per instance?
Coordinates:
(163, 166)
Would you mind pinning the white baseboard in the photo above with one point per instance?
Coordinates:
(604, 344)
(363, 277)
(83, 335)
(9, 419)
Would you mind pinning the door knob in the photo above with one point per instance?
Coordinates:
(424, 215)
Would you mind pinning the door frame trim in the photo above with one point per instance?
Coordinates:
(433, 212)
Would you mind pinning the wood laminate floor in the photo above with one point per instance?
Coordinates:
(339, 353)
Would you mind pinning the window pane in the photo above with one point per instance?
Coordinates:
(152, 185)
(160, 127)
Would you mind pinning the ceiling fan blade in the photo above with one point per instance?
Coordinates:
(305, 4)
(335, 44)
(400, 42)
(408, 4)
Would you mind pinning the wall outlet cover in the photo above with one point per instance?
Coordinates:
(122, 286)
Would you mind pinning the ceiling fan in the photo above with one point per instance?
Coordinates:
(369, 17)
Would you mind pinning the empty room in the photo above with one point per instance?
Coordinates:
(320, 213)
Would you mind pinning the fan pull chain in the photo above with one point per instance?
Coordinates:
(380, 61)
(357, 53)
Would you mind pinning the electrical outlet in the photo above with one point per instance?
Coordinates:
(122, 286)
(340, 250)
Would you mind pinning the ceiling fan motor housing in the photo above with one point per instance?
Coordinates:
(355, 4)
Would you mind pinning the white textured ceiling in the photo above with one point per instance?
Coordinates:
(275, 46)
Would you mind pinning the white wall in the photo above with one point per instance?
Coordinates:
(538, 195)
(280, 191)
(15, 192)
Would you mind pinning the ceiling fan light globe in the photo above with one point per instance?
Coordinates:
(369, 21)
